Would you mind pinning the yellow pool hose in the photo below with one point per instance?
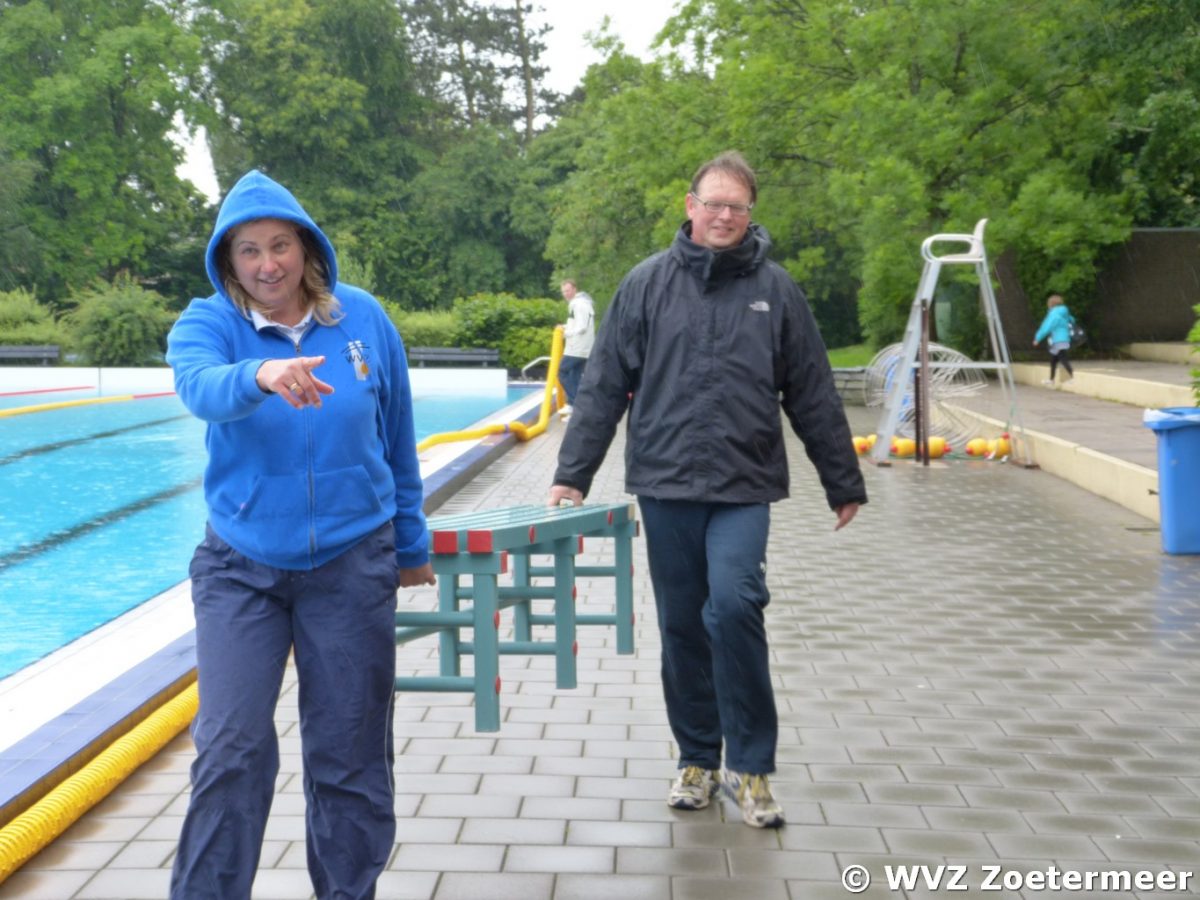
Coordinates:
(520, 429)
(35, 828)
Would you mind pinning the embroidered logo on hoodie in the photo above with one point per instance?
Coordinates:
(356, 354)
(760, 306)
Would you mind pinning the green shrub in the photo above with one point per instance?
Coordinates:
(25, 321)
(423, 328)
(485, 319)
(524, 344)
(120, 324)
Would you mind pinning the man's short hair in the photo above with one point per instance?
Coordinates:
(732, 164)
(571, 281)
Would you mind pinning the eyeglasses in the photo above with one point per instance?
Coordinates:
(716, 206)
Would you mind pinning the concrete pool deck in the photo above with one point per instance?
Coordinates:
(992, 667)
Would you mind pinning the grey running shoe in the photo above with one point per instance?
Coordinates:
(752, 793)
(693, 788)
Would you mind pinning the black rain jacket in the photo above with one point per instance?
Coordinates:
(705, 348)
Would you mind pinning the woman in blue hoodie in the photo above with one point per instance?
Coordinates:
(1057, 326)
(314, 519)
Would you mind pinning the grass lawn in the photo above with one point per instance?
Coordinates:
(849, 357)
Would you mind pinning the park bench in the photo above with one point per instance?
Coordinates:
(45, 354)
(479, 545)
(454, 356)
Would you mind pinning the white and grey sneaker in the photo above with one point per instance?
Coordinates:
(752, 793)
(693, 788)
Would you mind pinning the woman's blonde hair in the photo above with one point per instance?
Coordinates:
(314, 283)
(1054, 300)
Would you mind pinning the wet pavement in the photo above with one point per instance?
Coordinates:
(991, 669)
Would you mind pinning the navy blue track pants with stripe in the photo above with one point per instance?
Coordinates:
(339, 621)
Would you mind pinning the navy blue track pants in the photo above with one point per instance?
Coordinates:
(708, 568)
(339, 620)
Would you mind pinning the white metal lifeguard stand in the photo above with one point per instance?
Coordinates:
(914, 356)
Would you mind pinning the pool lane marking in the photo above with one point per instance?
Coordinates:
(58, 538)
(60, 445)
(81, 387)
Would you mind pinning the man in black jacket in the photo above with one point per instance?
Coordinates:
(705, 343)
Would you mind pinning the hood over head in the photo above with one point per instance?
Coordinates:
(255, 196)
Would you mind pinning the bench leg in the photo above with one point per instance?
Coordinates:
(487, 653)
(565, 646)
(623, 579)
(449, 654)
(522, 630)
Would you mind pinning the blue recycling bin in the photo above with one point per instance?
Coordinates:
(1178, 430)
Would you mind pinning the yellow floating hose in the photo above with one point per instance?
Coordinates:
(520, 429)
(35, 828)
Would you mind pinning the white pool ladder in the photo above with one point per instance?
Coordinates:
(916, 341)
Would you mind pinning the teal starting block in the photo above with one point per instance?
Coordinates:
(479, 544)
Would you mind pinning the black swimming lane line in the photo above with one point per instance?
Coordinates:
(59, 445)
(58, 538)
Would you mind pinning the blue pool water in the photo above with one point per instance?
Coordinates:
(101, 507)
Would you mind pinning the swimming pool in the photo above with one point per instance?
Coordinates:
(101, 507)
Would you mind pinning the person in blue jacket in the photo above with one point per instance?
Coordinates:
(1057, 326)
(314, 502)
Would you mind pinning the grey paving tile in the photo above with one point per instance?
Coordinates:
(42, 884)
(501, 886)
(130, 884)
(689, 888)
(594, 860)
(604, 887)
(939, 843)
(514, 831)
(448, 857)
(672, 861)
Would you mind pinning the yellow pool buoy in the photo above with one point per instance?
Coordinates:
(977, 447)
(861, 445)
(903, 447)
(1000, 447)
(937, 447)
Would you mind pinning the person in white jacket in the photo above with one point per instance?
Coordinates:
(579, 334)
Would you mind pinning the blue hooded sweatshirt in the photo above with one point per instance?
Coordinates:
(295, 488)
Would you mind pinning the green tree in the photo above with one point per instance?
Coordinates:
(479, 64)
(463, 207)
(16, 240)
(88, 93)
(317, 94)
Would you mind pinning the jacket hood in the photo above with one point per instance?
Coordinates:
(255, 196)
(713, 265)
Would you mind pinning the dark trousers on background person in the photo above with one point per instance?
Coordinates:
(708, 567)
(340, 622)
(570, 374)
(1058, 358)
